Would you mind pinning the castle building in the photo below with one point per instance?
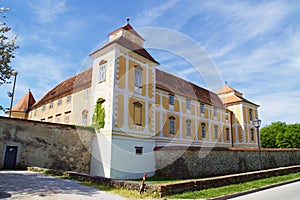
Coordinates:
(136, 107)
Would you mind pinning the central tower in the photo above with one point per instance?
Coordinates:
(124, 81)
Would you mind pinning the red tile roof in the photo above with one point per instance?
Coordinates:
(127, 27)
(164, 81)
(176, 85)
(131, 46)
(232, 96)
(69, 86)
(24, 103)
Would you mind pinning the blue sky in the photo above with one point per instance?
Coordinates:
(254, 44)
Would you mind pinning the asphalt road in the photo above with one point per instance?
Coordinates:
(289, 191)
(31, 185)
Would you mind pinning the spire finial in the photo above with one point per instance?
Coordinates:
(127, 20)
(225, 82)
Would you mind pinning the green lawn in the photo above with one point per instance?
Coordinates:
(230, 189)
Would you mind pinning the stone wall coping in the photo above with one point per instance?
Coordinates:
(50, 124)
(176, 148)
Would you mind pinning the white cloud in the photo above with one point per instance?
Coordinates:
(149, 15)
(48, 10)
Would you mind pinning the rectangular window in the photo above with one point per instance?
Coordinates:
(216, 132)
(43, 108)
(34, 113)
(203, 130)
(227, 134)
(138, 150)
(215, 112)
(188, 127)
(102, 72)
(57, 118)
(251, 114)
(172, 125)
(137, 113)
(69, 99)
(171, 99)
(188, 104)
(84, 119)
(226, 115)
(202, 108)
(50, 119)
(51, 105)
(67, 117)
(138, 76)
(86, 94)
(252, 134)
(59, 102)
(42, 120)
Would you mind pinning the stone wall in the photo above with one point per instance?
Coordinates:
(182, 163)
(47, 145)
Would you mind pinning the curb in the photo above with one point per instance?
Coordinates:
(253, 191)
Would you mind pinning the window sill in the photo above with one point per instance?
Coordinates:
(138, 89)
(171, 107)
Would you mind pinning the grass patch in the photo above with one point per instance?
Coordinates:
(230, 189)
(132, 194)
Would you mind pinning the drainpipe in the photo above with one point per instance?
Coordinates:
(231, 120)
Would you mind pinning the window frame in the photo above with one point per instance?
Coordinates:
(102, 72)
(138, 76)
(172, 125)
(216, 131)
(59, 102)
(215, 111)
(171, 99)
(188, 124)
(227, 132)
(137, 105)
(69, 99)
(252, 134)
(188, 104)
(251, 114)
(139, 150)
(203, 130)
(202, 108)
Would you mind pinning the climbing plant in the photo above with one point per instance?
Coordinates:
(99, 115)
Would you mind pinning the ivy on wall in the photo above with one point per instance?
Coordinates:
(99, 115)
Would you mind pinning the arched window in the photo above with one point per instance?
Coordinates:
(99, 114)
(203, 130)
(188, 127)
(172, 125)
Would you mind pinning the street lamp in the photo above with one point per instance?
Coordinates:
(13, 73)
(256, 123)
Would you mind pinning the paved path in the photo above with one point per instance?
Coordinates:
(31, 185)
(289, 191)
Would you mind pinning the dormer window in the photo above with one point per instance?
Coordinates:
(138, 73)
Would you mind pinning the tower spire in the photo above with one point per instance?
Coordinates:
(127, 20)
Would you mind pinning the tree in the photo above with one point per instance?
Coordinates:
(269, 134)
(7, 47)
(290, 138)
(280, 135)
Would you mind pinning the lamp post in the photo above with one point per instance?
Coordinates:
(13, 73)
(256, 123)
